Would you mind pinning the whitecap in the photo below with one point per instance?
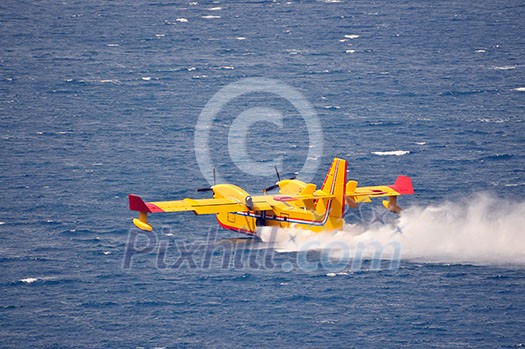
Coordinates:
(160, 35)
(421, 143)
(350, 51)
(146, 78)
(493, 120)
(218, 8)
(210, 17)
(391, 153)
(109, 81)
(1, 223)
(112, 45)
(504, 67)
(293, 51)
(106, 252)
(520, 89)
(28, 280)
(331, 274)
(514, 184)
(351, 36)
(240, 38)
(182, 20)
(481, 51)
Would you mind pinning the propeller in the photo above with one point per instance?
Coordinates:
(209, 188)
(276, 185)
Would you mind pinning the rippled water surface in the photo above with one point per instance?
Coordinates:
(101, 99)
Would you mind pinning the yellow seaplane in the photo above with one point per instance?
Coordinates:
(298, 204)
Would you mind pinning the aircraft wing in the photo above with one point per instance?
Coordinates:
(198, 206)
(214, 205)
(219, 205)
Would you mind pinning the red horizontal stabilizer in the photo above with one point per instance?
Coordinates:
(403, 185)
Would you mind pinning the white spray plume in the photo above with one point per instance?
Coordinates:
(483, 229)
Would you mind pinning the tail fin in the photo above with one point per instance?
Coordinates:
(403, 185)
(334, 183)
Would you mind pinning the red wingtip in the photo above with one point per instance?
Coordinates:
(403, 185)
(137, 204)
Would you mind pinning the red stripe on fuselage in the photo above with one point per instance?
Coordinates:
(153, 208)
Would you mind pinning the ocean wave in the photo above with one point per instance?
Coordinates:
(109, 81)
(47, 280)
(391, 153)
(497, 157)
(493, 120)
(504, 67)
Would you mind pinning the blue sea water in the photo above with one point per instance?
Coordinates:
(101, 99)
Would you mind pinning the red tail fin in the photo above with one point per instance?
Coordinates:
(137, 204)
(403, 185)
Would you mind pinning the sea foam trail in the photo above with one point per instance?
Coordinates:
(482, 229)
